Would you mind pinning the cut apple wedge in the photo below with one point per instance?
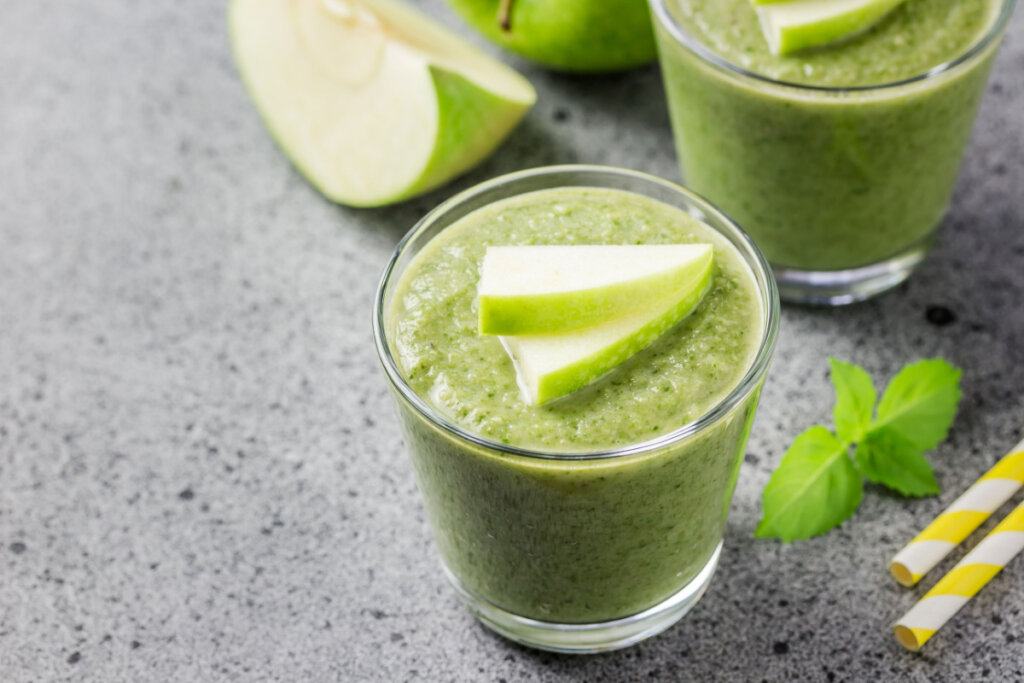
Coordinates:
(540, 289)
(371, 100)
(552, 365)
(801, 24)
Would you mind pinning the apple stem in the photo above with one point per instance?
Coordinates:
(505, 15)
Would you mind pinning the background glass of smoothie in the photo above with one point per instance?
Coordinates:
(839, 161)
(593, 521)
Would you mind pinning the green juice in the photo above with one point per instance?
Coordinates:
(832, 171)
(564, 539)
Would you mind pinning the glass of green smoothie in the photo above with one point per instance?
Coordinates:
(596, 520)
(839, 160)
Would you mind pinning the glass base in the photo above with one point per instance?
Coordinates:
(588, 638)
(841, 287)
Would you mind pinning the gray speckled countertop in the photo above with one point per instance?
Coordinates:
(200, 474)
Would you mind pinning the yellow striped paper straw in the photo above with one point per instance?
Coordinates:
(962, 582)
(957, 521)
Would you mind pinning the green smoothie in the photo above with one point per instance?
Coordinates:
(574, 539)
(821, 176)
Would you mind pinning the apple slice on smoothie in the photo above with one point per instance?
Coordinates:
(554, 364)
(540, 289)
(372, 101)
(793, 25)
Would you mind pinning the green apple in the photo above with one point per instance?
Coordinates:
(539, 289)
(555, 364)
(373, 102)
(801, 24)
(587, 36)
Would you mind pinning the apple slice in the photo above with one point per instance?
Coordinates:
(559, 363)
(371, 100)
(539, 289)
(801, 24)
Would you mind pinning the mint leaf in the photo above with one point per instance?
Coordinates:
(887, 457)
(815, 488)
(920, 402)
(855, 399)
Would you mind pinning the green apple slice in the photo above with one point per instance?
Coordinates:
(801, 24)
(539, 289)
(371, 100)
(552, 365)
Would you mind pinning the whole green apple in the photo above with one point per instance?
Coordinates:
(584, 36)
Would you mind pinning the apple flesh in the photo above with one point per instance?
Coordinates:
(539, 289)
(801, 24)
(582, 36)
(372, 101)
(554, 364)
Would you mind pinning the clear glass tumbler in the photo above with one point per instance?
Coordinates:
(513, 525)
(843, 189)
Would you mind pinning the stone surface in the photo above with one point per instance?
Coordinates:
(200, 474)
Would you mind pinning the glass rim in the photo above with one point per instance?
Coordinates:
(752, 256)
(659, 8)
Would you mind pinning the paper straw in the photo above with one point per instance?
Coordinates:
(957, 521)
(962, 582)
